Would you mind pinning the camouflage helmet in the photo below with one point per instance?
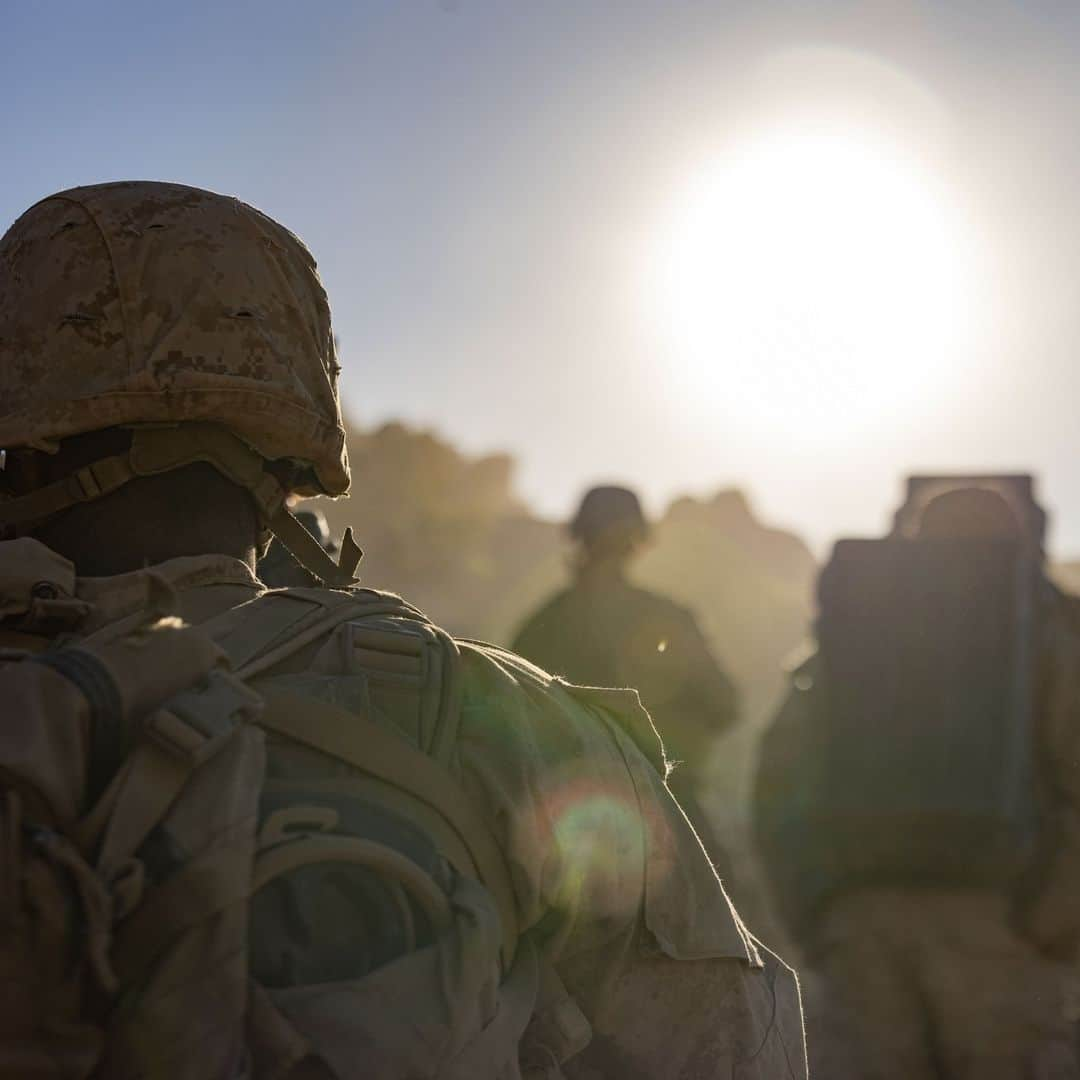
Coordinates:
(157, 306)
(608, 510)
(145, 302)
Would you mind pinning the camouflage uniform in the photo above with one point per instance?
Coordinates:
(176, 306)
(922, 981)
(60, 713)
(605, 631)
(936, 983)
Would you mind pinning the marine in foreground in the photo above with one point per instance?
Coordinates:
(371, 850)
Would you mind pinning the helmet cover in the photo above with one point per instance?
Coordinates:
(142, 302)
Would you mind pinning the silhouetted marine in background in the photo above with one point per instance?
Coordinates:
(916, 799)
(603, 630)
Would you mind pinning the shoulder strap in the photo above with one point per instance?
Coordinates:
(270, 628)
(275, 625)
(379, 752)
(174, 741)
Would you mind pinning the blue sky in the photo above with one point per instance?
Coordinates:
(481, 184)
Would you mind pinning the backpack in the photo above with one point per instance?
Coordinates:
(905, 751)
(312, 894)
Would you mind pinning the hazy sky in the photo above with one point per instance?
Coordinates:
(803, 247)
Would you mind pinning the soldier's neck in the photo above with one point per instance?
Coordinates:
(107, 552)
(153, 519)
(602, 570)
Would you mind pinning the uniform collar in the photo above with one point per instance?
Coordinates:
(163, 585)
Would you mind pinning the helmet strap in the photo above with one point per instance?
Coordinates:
(312, 555)
(160, 449)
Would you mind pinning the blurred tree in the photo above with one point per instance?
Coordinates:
(450, 533)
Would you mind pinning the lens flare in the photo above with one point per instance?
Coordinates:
(597, 841)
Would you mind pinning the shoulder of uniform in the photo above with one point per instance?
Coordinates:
(549, 609)
(802, 665)
(662, 605)
(1064, 605)
(684, 615)
(1059, 629)
(324, 594)
(480, 654)
(497, 677)
(278, 623)
(357, 602)
(625, 709)
(492, 671)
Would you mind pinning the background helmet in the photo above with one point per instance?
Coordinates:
(966, 513)
(608, 512)
(1016, 489)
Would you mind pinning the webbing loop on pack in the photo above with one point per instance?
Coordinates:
(197, 721)
(308, 848)
(176, 740)
(374, 750)
(179, 738)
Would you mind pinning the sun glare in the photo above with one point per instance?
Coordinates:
(812, 284)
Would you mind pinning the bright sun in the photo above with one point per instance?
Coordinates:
(814, 283)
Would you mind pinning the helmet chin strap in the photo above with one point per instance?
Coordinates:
(160, 449)
(312, 555)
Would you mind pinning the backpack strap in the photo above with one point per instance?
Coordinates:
(375, 750)
(174, 741)
(193, 894)
(403, 875)
(255, 635)
(275, 625)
